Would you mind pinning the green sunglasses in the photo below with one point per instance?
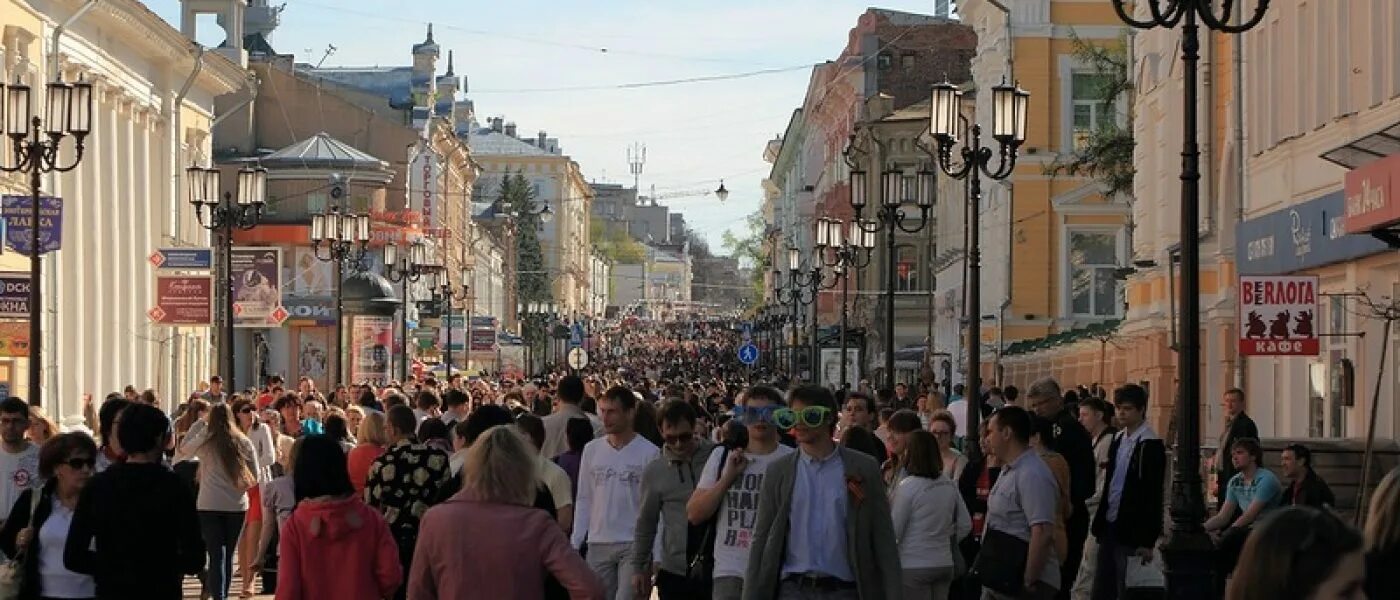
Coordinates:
(811, 416)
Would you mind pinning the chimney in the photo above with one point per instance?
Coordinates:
(510, 129)
(541, 138)
(496, 124)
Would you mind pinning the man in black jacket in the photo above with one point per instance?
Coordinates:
(1129, 518)
(1305, 487)
(1071, 441)
(1237, 426)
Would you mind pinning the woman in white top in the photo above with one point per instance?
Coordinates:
(228, 467)
(265, 450)
(66, 462)
(929, 520)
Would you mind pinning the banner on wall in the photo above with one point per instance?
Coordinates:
(18, 214)
(371, 343)
(1278, 315)
(257, 286)
(422, 186)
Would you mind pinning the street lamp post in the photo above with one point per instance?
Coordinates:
(813, 278)
(793, 295)
(536, 317)
(227, 213)
(1187, 549)
(1009, 104)
(445, 295)
(897, 189)
(67, 111)
(407, 268)
(345, 236)
(853, 252)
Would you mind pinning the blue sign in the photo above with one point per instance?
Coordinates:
(18, 213)
(14, 295)
(576, 336)
(748, 331)
(183, 258)
(748, 354)
(1304, 236)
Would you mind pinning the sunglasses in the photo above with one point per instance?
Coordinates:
(684, 438)
(244, 411)
(810, 417)
(755, 415)
(79, 462)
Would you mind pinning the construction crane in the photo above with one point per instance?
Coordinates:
(720, 193)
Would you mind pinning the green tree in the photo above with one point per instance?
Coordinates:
(1106, 155)
(518, 196)
(750, 249)
(613, 242)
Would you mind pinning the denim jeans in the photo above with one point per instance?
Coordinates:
(613, 564)
(220, 531)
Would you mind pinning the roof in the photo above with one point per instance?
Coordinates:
(488, 142)
(1100, 330)
(393, 83)
(323, 151)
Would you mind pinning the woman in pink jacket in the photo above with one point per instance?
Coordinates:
(333, 546)
(452, 559)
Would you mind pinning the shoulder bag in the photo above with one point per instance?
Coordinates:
(12, 570)
(1001, 563)
(701, 569)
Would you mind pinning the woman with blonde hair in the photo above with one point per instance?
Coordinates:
(496, 503)
(372, 440)
(228, 466)
(41, 427)
(1383, 539)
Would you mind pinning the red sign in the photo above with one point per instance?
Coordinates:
(183, 300)
(1370, 202)
(1278, 315)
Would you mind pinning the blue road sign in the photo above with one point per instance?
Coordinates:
(748, 331)
(576, 336)
(182, 258)
(748, 354)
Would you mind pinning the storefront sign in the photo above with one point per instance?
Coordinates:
(257, 287)
(1371, 202)
(182, 259)
(371, 340)
(422, 185)
(14, 295)
(18, 214)
(483, 334)
(314, 312)
(1303, 236)
(185, 300)
(1278, 315)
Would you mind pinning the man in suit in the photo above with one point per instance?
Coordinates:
(802, 546)
(1237, 426)
(1070, 440)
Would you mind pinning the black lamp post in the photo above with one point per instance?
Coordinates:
(897, 189)
(537, 317)
(793, 296)
(225, 215)
(404, 269)
(445, 295)
(1009, 104)
(1187, 549)
(345, 237)
(813, 278)
(853, 252)
(67, 111)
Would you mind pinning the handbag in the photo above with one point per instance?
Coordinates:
(1144, 581)
(701, 569)
(1001, 563)
(12, 570)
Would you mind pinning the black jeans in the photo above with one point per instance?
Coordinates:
(1077, 530)
(671, 586)
(220, 531)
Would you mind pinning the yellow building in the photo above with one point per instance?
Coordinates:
(1051, 244)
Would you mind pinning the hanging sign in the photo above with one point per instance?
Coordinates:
(1277, 315)
(186, 300)
(18, 214)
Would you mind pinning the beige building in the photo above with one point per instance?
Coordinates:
(153, 106)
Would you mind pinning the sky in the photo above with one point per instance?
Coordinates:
(511, 52)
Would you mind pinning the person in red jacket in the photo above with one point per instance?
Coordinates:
(333, 546)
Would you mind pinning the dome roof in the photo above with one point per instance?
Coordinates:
(365, 292)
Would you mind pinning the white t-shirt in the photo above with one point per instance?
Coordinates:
(738, 511)
(610, 490)
(18, 472)
(557, 481)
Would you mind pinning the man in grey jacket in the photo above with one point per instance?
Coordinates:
(667, 485)
(824, 530)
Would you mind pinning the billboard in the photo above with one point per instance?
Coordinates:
(371, 343)
(257, 286)
(1278, 315)
(185, 300)
(310, 276)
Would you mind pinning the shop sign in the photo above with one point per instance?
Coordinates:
(1370, 196)
(184, 300)
(1303, 236)
(14, 295)
(309, 311)
(1278, 315)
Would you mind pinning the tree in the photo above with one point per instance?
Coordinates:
(750, 249)
(1106, 155)
(613, 243)
(518, 196)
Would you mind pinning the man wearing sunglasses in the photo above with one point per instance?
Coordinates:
(733, 492)
(666, 486)
(824, 530)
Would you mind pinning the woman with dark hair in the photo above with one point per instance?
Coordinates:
(265, 451)
(1300, 553)
(333, 546)
(433, 432)
(338, 429)
(109, 451)
(227, 470)
(929, 519)
(36, 530)
(861, 439)
(646, 424)
(577, 432)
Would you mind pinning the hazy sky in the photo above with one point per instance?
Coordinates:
(695, 133)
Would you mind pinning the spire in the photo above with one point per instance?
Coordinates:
(430, 35)
(449, 64)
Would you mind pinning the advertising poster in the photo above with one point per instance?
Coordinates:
(257, 286)
(313, 356)
(309, 276)
(1278, 315)
(14, 339)
(831, 366)
(186, 300)
(371, 341)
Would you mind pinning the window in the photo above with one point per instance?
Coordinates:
(1093, 259)
(1090, 111)
(906, 273)
(883, 61)
(907, 61)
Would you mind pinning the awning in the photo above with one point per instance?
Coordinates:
(1095, 330)
(1366, 148)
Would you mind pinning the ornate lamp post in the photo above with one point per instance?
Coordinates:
(1009, 104)
(67, 111)
(536, 317)
(345, 238)
(813, 278)
(404, 269)
(1186, 551)
(853, 252)
(226, 214)
(896, 190)
(445, 295)
(790, 291)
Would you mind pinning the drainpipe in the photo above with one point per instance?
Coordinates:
(1010, 203)
(251, 86)
(172, 114)
(1241, 182)
(58, 33)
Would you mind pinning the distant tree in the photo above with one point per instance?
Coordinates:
(518, 196)
(749, 249)
(612, 241)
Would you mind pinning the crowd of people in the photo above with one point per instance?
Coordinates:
(669, 468)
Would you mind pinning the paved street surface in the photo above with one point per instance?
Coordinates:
(192, 589)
